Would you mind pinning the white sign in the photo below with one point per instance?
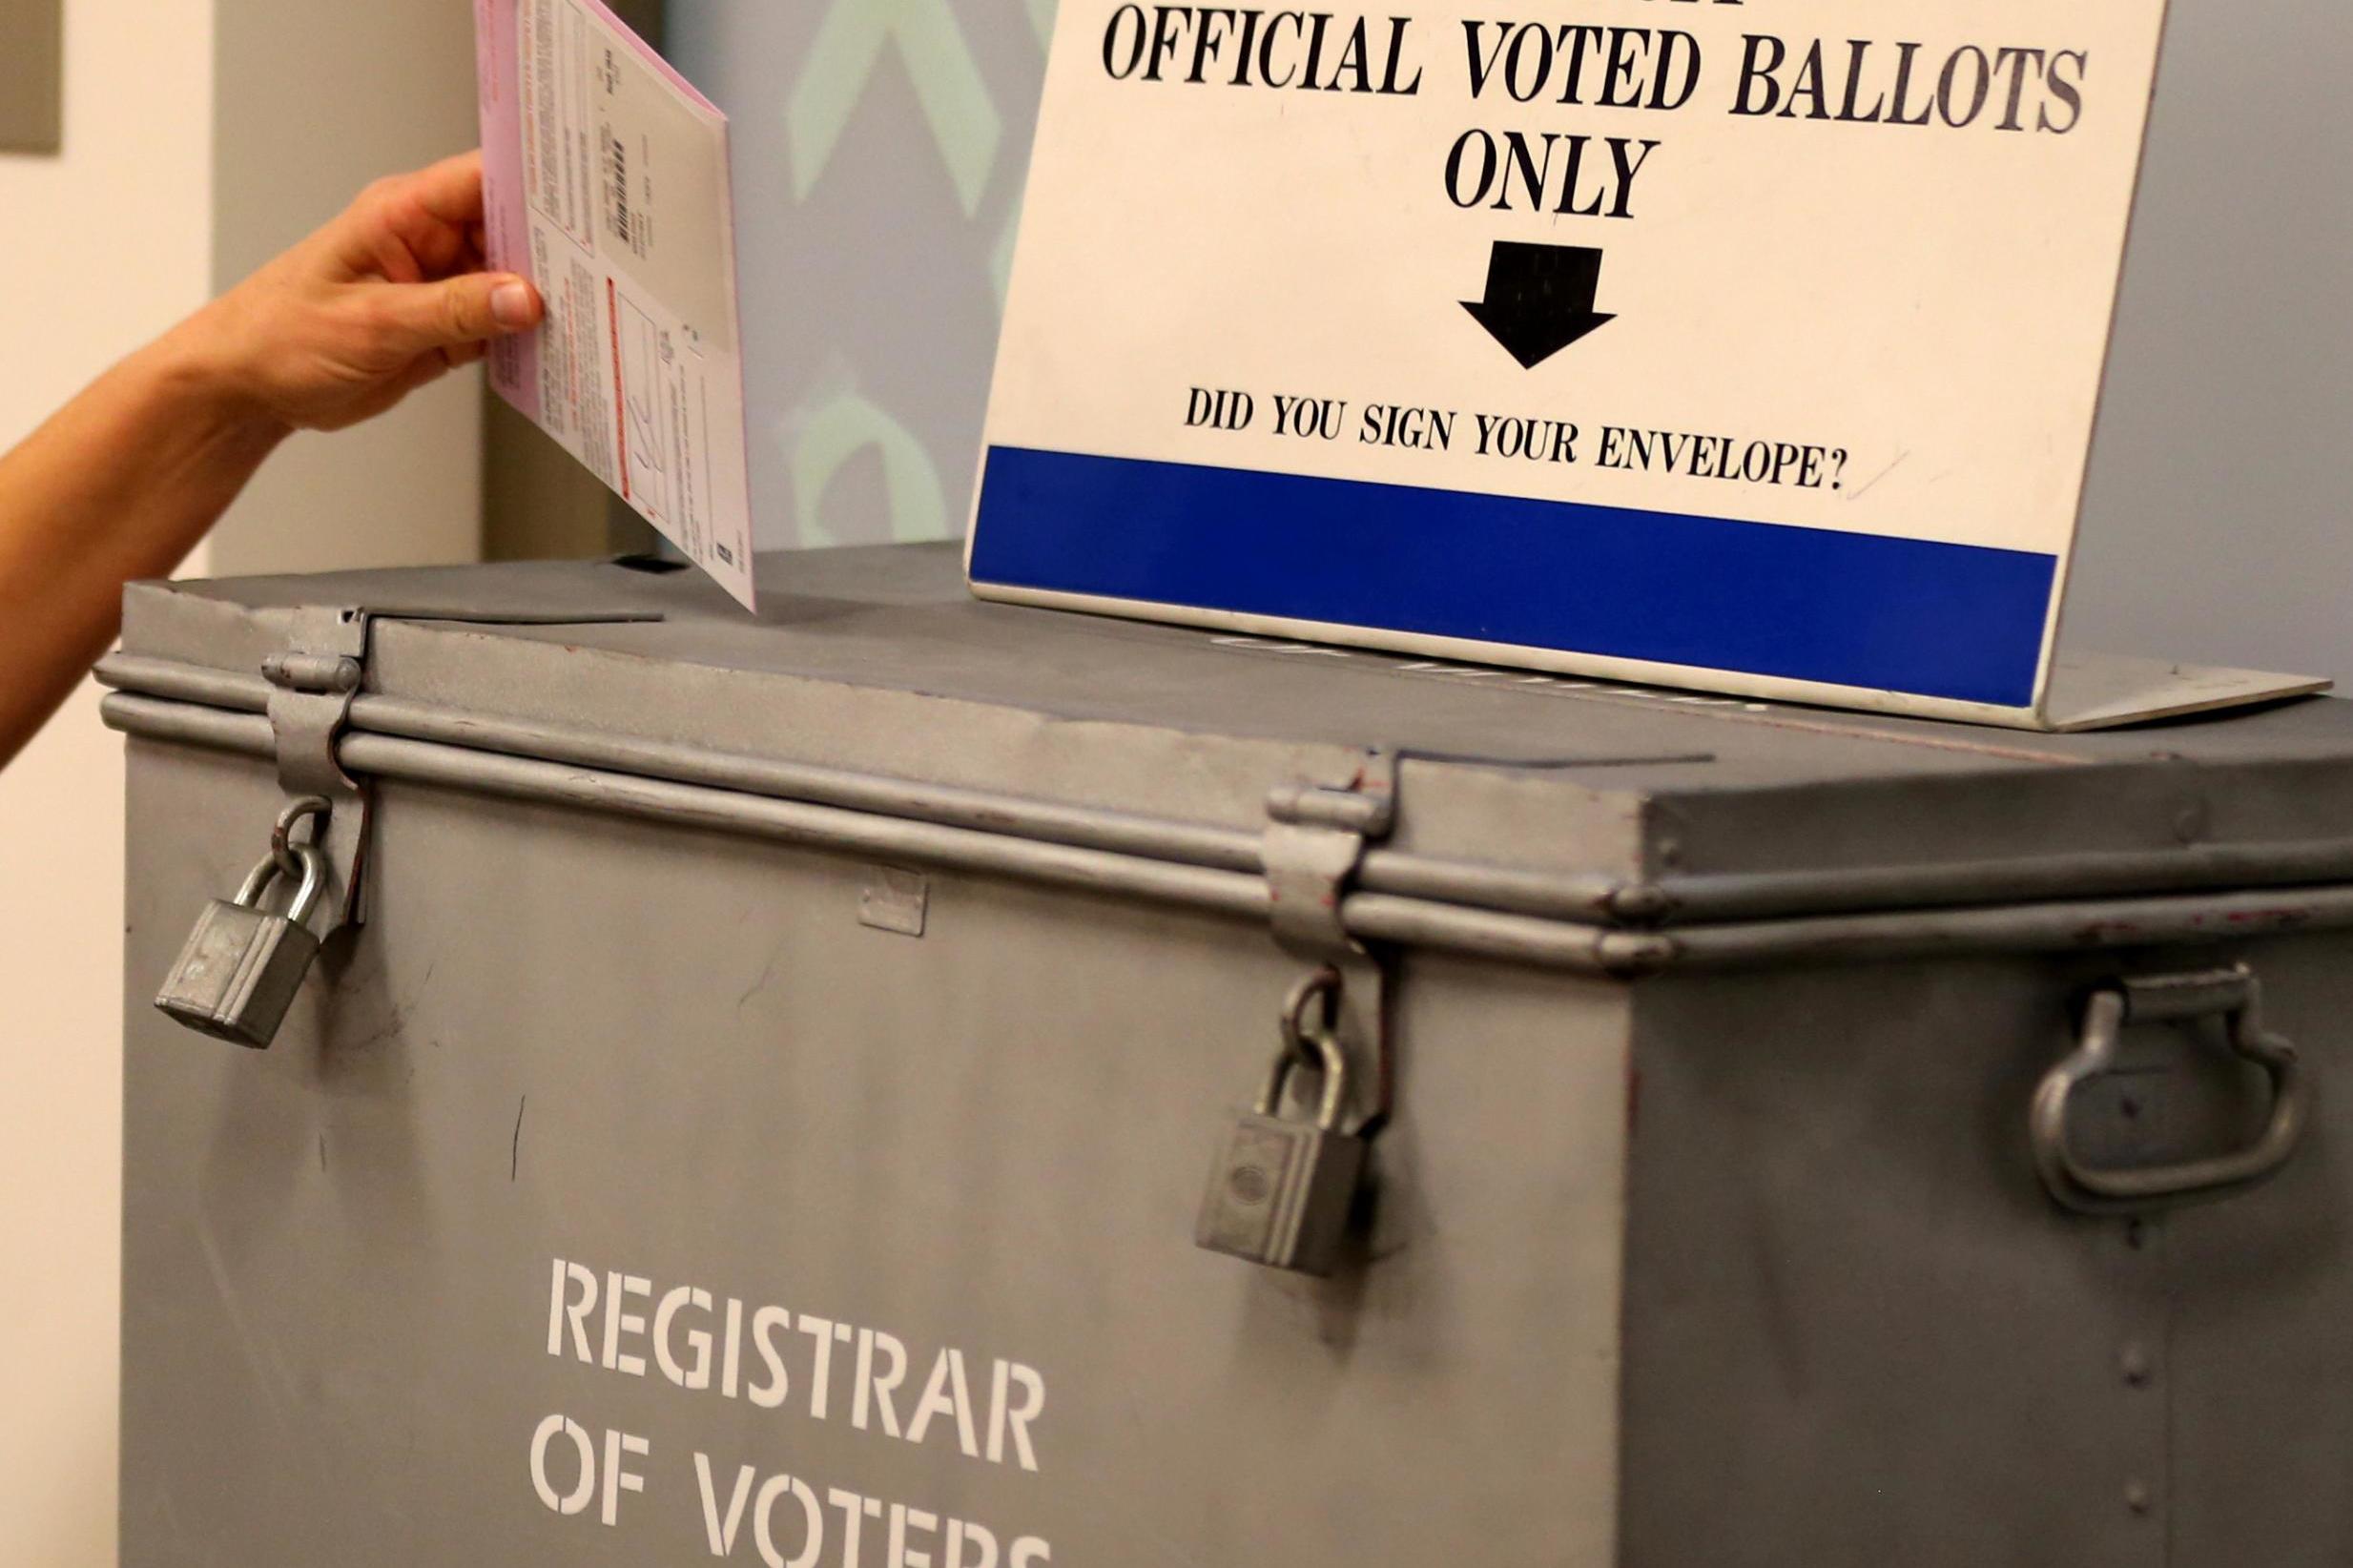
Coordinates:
(1749, 344)
(605, 180)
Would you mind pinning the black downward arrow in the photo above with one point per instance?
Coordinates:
(1540, 298)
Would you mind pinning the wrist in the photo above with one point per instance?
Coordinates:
(203, 391)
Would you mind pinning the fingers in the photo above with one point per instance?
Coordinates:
(450, 189)
(420, 317)
(448, 193)
(411, 226)
(394, 261)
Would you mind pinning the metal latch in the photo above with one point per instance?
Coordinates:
(1315, 838)
(2234, 995)
(1280, 1188)
(242, 965)
(313, 681)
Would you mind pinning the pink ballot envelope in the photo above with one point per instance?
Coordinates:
(605, 181)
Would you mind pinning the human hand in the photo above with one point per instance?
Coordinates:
(382, 300)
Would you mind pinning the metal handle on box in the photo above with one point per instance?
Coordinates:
(2232, 994)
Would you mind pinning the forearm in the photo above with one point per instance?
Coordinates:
(126, 478)
(119, 485)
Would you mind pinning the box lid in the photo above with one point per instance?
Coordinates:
(1607, 804)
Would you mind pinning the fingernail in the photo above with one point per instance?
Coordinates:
(510, 305)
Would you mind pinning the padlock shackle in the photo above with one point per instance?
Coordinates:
(281, 842)
(307, 895)
(1326, 1047)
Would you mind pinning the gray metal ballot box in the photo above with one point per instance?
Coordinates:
(767, 1097)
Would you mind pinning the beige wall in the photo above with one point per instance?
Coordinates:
(316, 98)
(200, 136)
(106, 244)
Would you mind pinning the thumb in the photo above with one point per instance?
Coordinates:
(456, 311)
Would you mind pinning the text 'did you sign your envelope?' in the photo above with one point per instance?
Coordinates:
(1745, 344)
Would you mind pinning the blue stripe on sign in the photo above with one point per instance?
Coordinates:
(1958, 620)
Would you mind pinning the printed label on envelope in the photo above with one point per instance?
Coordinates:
(605, 183)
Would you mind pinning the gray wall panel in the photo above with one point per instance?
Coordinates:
(880, 153)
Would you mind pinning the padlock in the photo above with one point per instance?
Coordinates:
(242, 965)
(1282, 1189)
